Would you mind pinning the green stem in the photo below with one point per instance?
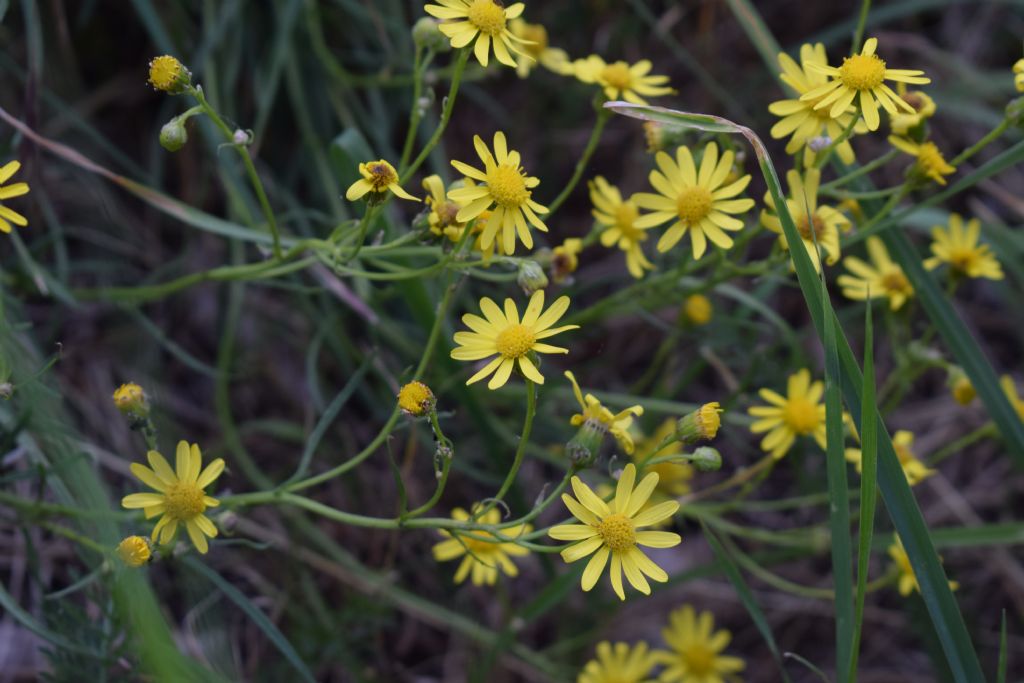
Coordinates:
(822, 157)
(420, 65)
(863, 170)
(858, 33)
(446, 114)
(980, 144)
(595, 136)
(524, 439)
(364, 227)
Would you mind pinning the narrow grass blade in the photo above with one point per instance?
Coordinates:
(758, 32)
(1001, 672)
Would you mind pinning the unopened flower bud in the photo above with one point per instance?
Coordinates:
(131, 400)
(1015, 112)
(706, 459)
(173, 135)
(583, 448)
(241, 137)
(427, 35)
(960, 386)
(700, 425)
(697, 309)
(134, 551)
(416, 399)
(531, 277)
(166, 73)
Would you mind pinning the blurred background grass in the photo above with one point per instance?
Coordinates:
(247, 370)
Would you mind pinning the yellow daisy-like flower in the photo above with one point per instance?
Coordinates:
(565, 258)
(698, 202)
(818, 226)
(673, 478)
(8, 215)
(481, 559)
(504, 186)
(504, 335)
(168, 74)
(799, 413)
(485, 21)
(697, 309)
(443, 211)
(903, 441)
(618, 220)
(907, 579)
(930, 161)
(799, 117)
(130, 398)
(416, 398)
(612, 532)
(180, 497)
(620, 80)
(619, 663)
(378, 177)
(1018, 75)
(958, 246)
(534, 39)
(924, 108)
(134, 551)
(616, 424)
(862, 78)
(696, 647)
(1010, 389)
(882, 277)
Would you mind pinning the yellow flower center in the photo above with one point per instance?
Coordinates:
(617, 75)
(693, 204)
(507, 186)
(617, 532)
(536, 34)
(700, 660)
(515, 341)
(165, 72)
(488, 16)
(801, 415)
(862, 72)
(415, 398)
(895, 282)
(184, 501)
(807, 228)
(962, 259)
(381, 175)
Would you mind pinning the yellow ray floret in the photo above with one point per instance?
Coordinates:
(618, 219)
(619, 663)
(180, 496)
(509, 339)
(616, 424)
(930, 161)
(378, 177)
(612, 532)
(695, 649)
(958, 246)
(504, 186)
(8, 215)
(482, 553)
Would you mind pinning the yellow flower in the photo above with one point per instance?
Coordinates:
(613, 531)
(799, 413)
(907, 578)
(930, 161)
(621, 663)
(673, 477)
(915, 470)
(534, 38)
(620, 80)
(862, 78)
(565, 258)
(799, 117)
(507, 188)
(442, 217)
(818, 226)
(698, 309)
(697, 202)
(882, 277)
(504, 335)
(1018, 75)
(8, 215)
(180, 497)
(618, 220)
(616, 424)
(1010, 389)
(958, 246)
(696, 648)
(130, 398)
(134, 551)
(924, 108)
(416, 398)
(481, 559)
(168, 74)
(486, 21)
(378, 177)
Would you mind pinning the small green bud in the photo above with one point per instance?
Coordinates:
(1015, 112)
(173, 135)
(700, 425)
(706, 459)
(426, 35)
(531, 277)
(583, 448)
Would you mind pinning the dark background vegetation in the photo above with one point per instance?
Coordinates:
(302, 76)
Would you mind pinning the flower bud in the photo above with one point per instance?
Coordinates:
(531, 277)
(706, 459)
(134, 551)
(960, 386)
(697, 309)
(700, 425)
(166, 73)
(416, 399)
(131, 400)
(241, 137)
(427, 35)
(583, 448)
(173, 135)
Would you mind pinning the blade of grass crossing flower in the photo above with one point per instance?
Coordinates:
(732, 573)
(839, 507)
(253, 612)
(899, 501)
(868, 484)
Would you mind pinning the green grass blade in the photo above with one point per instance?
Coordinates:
(732, 572)
(899, 501)
(868, 483)
(253, 612)
(1001, 671)
(758, 32)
